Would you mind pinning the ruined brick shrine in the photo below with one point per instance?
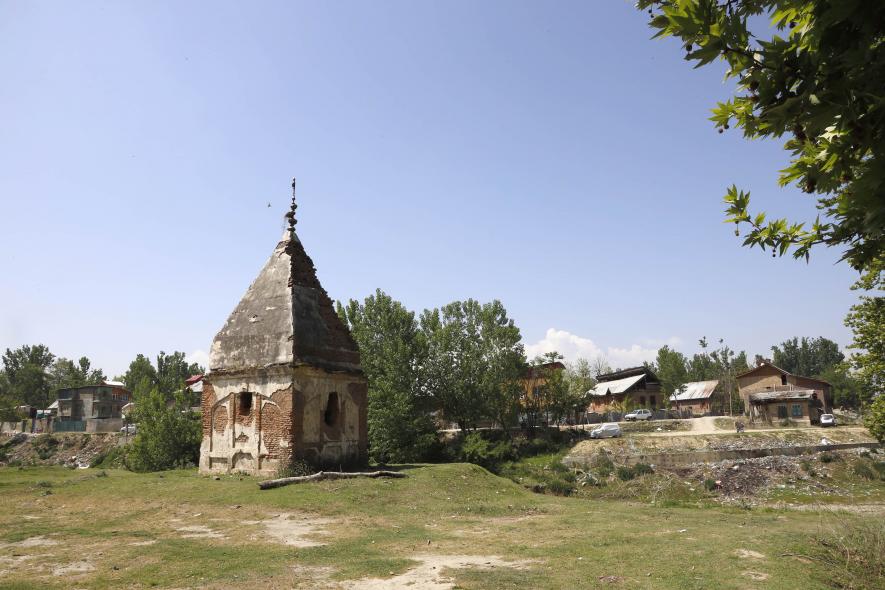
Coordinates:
(284, 376)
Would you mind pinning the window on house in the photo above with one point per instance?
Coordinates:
(642, 400)
(783, 379)
(782, 412)
(797, 410)
(652, 401)
(330, 416)
(244, 404)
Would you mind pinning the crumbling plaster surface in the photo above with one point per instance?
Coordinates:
(287, 420)
(235, 443)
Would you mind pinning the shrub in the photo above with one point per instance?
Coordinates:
(45, 446)
(853, 553)
(710, 485)
(874, 419)
(625, 473)
(113, 458)
(827, 458)
(169, 435)
(867, 469)
(560, 487)
(642, 469)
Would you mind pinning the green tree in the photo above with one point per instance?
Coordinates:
(847, 390)
(475, 359)
(139, 370)
(670, 367)
(27, 370)
(579, 375)
(867, 320)
(66, 373)
(173, 370)
(874, 419)
(722, 364)
(169, 434)
(818, 80)
(8, 401)
(392, 354)
(810, 357)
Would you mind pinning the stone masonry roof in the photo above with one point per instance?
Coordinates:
(285, 318)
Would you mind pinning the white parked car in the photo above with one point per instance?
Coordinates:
(827, 420)
(129, 429)
(638, 415)
(607, 430)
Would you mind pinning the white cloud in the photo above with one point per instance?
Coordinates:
(201, 357)
(572, 347)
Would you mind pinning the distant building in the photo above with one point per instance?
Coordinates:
(533, 382)
(535, 378)
(770, 393)
(77, 406)
(639, 386)
(701, 397)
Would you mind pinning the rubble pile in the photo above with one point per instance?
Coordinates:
(749, 479)
(74, 450)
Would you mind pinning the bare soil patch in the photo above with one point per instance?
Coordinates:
(78, 567)
(293, 529)
(429, 574)
(198, 531)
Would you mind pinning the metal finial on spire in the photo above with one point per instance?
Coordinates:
(291, 214)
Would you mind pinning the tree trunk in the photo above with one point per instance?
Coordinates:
(284, 481)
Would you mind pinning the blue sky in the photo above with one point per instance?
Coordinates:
(546, 154)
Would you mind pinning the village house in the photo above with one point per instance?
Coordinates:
(533, 381)
(702, 398)
(284, 379)
(91, 408)
(638, 386)
(770, 393)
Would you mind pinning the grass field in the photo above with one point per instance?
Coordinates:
(443, 524)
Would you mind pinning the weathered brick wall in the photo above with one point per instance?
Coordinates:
(220, 419)
(277, 425)
(208, 400)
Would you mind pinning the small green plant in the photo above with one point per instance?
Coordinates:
(710, 485)
(625, 473)
(45, 446)
(827, 458)
(560, 487)
(642, 469)
(113, 458)
(869, 469)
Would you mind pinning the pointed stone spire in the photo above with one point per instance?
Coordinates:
(285, 317)
(291, 214)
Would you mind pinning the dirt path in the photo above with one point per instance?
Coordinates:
(705, 425)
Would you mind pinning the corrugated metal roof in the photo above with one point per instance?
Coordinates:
(617, 386)
(764, 396)
(695, 390)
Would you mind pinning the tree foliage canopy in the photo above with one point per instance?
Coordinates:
(392, 353)
(474, 362)
(27, 372)
(169, 434)
(815, 75)
(811, 357)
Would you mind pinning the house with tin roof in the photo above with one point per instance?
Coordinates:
(771, 394)
(702, 398)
